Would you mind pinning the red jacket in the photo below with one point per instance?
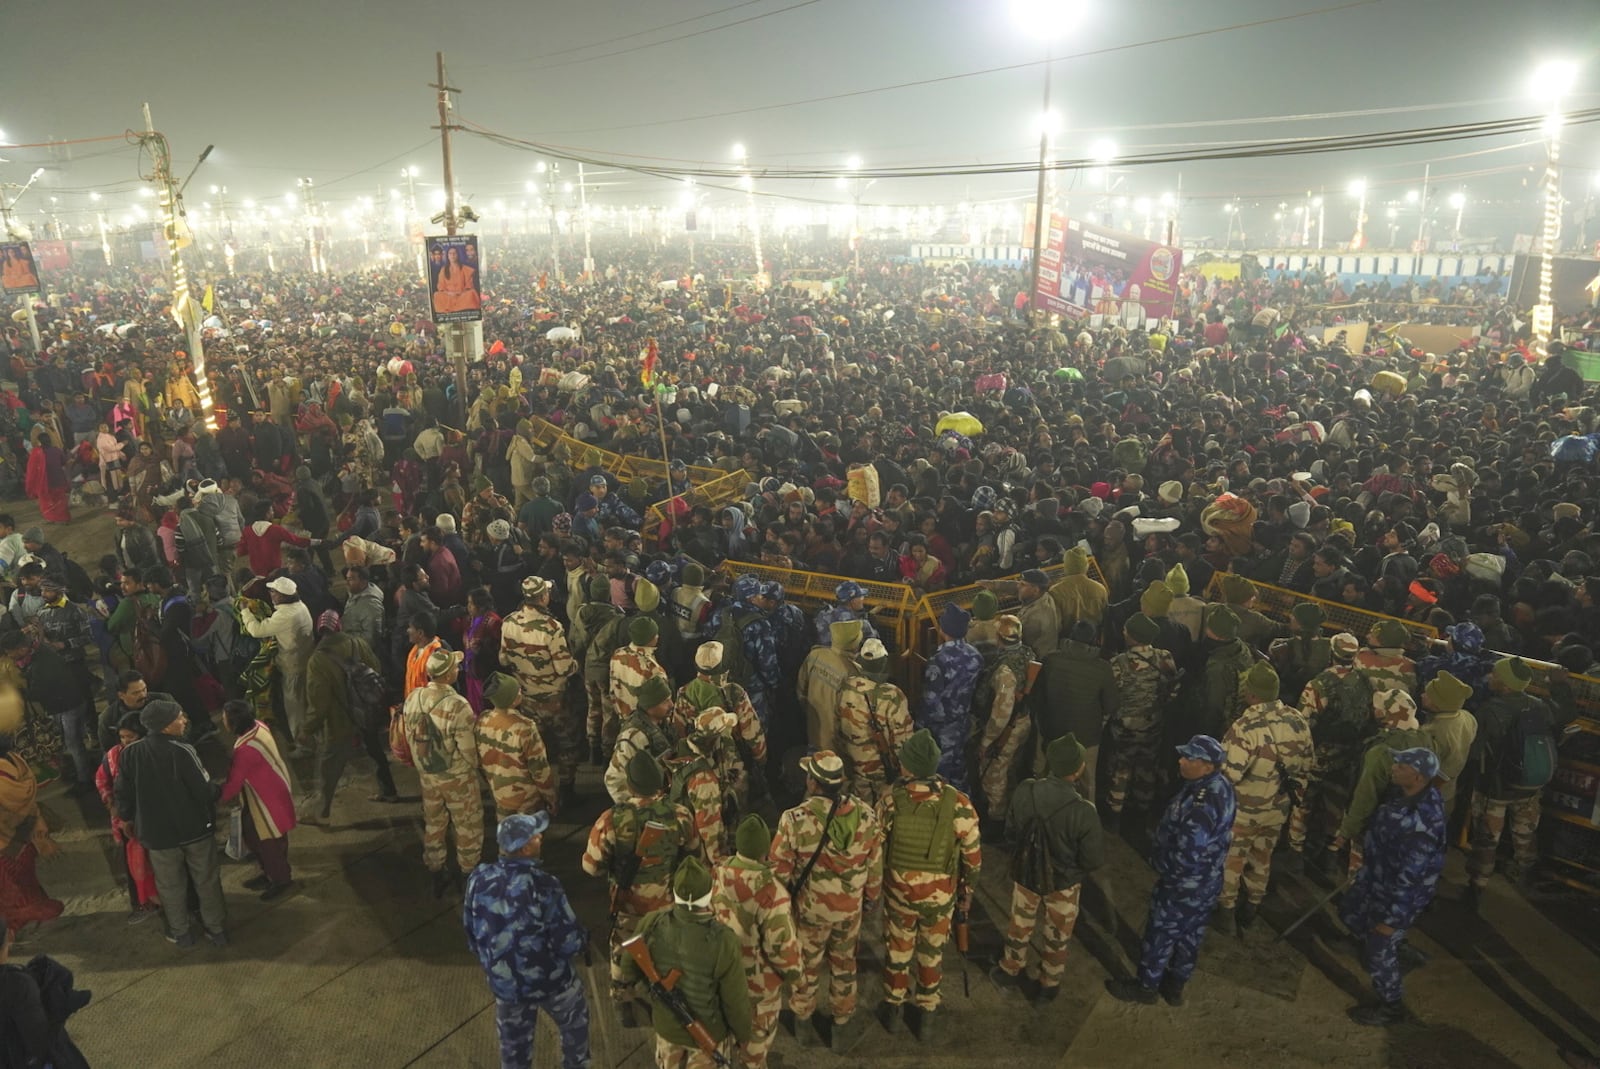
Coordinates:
(265, 549)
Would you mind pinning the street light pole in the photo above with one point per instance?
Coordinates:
(1041, 219)
(583, 206)
(1551, 82)
(1359, 189)
(456, 333)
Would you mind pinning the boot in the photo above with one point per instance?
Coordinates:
(1223, 921)
(890, 1017)
(1290, 864)
(1172, 991)
(922, 1024)
(597, 756)
(1005, 981)
(1247, 913)
(1379, 1015)
(1130, 991)
(847, 1034)
(1409, 957)
(1045, 994)
(805, 1032)
(441, 883)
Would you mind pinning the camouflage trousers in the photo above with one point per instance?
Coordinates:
(994, 773)
(916, 925)
(1322, 807)
(1379, 953)
(642, 899)
(559, 731)
(448, 801)
(1489, 816)
(602, 722)
(1060, 915)
(569, 1011)
(1133, 769)
(670, 1055)
(870, 787)
(1180, 911)
(1255, 836)
(834, 938)
(766, 1000)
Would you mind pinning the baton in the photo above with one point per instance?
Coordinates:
(1315, 908)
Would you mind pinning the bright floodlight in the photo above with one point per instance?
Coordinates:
(541, 167)
(2, 137)
(1046, 123)
(1142, 205)
(1047, 20)
(1552, 80)
(1358, 187)
(37, 174)
(413, 171)
(738, 151)
(1458, 201)
(852, 163)
(1228, 209)
(1103, 151)
(1412, 196)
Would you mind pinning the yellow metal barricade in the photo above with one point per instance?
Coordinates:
(713, 494)
(1278, 603)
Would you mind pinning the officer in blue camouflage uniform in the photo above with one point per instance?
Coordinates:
(1190, 850)
(849, 604)
(525, 934)
(759, 641)
(790, 630)
(614, 512)
(1402, 857)
(948, 684)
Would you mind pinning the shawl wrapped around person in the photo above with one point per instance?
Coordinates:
(24, 838)
(1232, 519)
(46, 482)
(258, 773)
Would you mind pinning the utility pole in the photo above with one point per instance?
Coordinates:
(185, 309)
(456, 335)
(319, 265)
(1422, 209)
(1041, 214)
(583, 206)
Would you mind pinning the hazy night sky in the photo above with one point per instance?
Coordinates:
(338, 92)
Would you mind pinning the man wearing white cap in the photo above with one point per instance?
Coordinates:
(874, 721)
(439, 732)
(710, 688)
(290, 626)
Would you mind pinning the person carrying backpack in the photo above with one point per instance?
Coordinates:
(343, 715)
(1058, 843)
(1338, 704)
(1515, 757)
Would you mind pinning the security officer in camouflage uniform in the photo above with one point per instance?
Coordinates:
(1239, 595)
(633, 664)
(636, 845)
(512, 754)
(1302, 656)
(1220, 698)
(439, 727)
(948, 683)
(932, 855)
(821, 681)
(750, 900)
(590, 640)
(1268, 760)
(828, 851)
(522, 928)
(850, 603)
(1404, 852)
(671, 651)
(687, 938)
(710, 689)
(1384, 662)
(705, 779)
(1189, 853)
(1338, 735)
(874, 721)
(1396, 714)
(533, 646)
(649, 730)
(1003, 713)
(1146, 676)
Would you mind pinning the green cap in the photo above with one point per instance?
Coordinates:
(1392, 634)
(501, 690)
(919, 755)
(985, 605)
(1445, 693)
(845, 635)
(1142, 629)
(1262, 682)
(691, 882)
(1236, 589)
(1076, 561)
(753, 839)
(1156, 600)
(1513, 673)
(1308, 616)
(1178, 581)
(1065, 755)
(653, 691)
(599, 588)
(1222, 622)
(644, 774)
(642, 630)
(694, 575)
(646, 595)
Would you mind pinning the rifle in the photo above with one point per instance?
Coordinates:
(1032, 677)
(664, 990)
(880, 737)
(963, 934)
(625, 866)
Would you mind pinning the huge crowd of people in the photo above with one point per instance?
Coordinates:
(357, 563)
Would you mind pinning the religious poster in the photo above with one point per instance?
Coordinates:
(18, 271)
(454, 286)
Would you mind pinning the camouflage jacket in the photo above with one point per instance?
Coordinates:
(534, 647)
(1388, 670)
(707, 692)
(638, 733)
(848, 870)
(874, 720)
(748, 898)
(603, 850)
(630, 666)
(453, 720)
(964, 826)
(704, 784)
(1268, 746)
(1145, 676)
(514, 763)
(1005, 685)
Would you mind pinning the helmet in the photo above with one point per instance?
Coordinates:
(746, 587)
(849, 590)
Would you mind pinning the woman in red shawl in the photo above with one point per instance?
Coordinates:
(142, 895)
(24, 837)
(46, 480)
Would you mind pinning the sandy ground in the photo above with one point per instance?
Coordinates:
(362, 967)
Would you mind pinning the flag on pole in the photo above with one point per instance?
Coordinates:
(647, 364)
(208, 300)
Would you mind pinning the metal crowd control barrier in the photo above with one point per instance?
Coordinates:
(1279, 602)
(725, 489)
(892, 602)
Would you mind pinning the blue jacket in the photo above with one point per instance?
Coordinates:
(1191, 842)
(949, 681)
(522, 928)
(1402, 856)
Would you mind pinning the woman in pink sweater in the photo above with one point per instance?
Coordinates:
(261, 776)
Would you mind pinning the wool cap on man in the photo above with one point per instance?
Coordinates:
(502, 691)
(752, 839)
(1065, 755)
(644, 774)
(158, 714)
(1261, 682)
(1445, 693)
(652, 692)
(919, 755)
(1512, 673)
(642, 630)
(1222, 623)
(1141, 629)
(691, 884)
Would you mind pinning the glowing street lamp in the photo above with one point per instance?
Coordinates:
(1458, 201)
(1551, 81)
(1358, 189)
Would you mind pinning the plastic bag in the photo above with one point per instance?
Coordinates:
(235, 847)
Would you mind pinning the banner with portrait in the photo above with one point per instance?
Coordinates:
(18, 271)
(455, 289)
(1086, 269)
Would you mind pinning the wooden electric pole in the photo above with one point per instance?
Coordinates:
(456, 332)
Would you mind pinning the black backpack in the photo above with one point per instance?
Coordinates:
(1033, 865)
(365, 694)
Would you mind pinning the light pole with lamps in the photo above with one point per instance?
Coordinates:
(748, 183)
(1358, 189)
(1551, 81)
(26, 301)
(856, 187)
(1458, 201)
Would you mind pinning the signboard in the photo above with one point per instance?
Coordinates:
(18, 272)
(454, 288)
(1086, 269)
(53, 255)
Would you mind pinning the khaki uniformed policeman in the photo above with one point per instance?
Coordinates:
(533, 646)
(444, 748)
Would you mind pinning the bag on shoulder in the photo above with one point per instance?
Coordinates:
(425, 742)
(1032, 865)
(1348, 718)
(730, 632)
(1528, 758)
(149, 655)
(399, 745)
(364, 693)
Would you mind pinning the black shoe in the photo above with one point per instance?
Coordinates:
(182, 942)
(1473, 899)
(922, 1021)
(597, 757)
(805, 1032)
(1130, 991)
(1005, 981)
(889, 1015)
(1247, 913)
(441, 883)
(218, 939)
(1172, 991)
(1381, 1015)
(1111, 822)
(257, 883)
(1044, 994)
(847, 1034)
(1292, 864)
(277, 891)
(1223, 920)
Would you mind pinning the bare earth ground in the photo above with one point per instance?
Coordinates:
(361, 967)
